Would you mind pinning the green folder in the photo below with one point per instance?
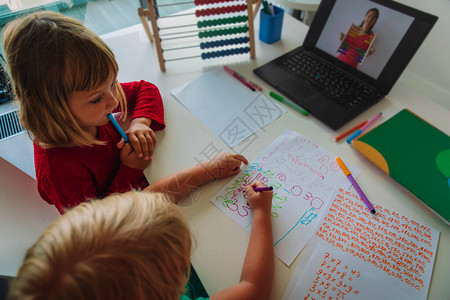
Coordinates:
(414, 153)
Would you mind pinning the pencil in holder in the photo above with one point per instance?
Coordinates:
(270, 26)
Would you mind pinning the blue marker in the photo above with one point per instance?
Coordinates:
(119, 129)
(354, 135)
(362, 129)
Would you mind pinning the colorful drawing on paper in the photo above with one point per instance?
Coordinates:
(357, 255)
(303, 176)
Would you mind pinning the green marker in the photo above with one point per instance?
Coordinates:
(266, 8)
(281, 99)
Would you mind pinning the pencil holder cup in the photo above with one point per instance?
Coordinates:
(270, 26)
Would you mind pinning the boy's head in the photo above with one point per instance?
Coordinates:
(127, 246)
(50, 56)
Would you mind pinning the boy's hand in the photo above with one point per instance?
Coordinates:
(129, 158)
(224, 165)
(142, 138)
(259, 200)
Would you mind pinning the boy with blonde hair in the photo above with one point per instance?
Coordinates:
(135, 245)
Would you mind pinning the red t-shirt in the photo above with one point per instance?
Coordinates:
(68, 176)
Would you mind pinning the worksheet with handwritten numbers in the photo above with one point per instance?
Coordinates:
(357, 255)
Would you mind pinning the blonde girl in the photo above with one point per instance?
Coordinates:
(64, 78)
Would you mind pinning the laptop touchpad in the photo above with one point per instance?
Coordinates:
(297, 87)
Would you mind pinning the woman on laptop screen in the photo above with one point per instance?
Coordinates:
(357, 43)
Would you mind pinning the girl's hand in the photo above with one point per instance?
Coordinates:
(225, 164)
(142, 138)
(129, 158)
(259, 200)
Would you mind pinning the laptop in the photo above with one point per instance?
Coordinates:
(352, 55)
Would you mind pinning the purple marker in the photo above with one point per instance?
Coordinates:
(262, 189)
(355, 185)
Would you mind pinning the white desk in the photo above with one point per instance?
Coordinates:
(222, 243)
(308, 6)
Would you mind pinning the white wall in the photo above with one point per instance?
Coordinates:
(429, 70)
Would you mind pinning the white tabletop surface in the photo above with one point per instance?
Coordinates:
(221, 243)
(307, 5)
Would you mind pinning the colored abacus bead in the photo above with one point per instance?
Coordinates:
(225, 42)
(228, 52)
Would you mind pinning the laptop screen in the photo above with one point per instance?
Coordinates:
(363, 34)
(375, 39)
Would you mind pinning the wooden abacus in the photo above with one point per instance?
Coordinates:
(237, 25)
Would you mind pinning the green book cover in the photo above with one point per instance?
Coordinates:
(414, 153)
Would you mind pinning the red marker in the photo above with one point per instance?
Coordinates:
(239, 77)
(255, 85)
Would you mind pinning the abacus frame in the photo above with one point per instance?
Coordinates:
(252, 7)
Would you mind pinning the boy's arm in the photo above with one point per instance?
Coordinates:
(258, 268)
(181, 183)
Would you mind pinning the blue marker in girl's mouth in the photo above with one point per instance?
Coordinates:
(119, 129)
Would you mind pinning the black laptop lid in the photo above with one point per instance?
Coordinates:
(398, 32)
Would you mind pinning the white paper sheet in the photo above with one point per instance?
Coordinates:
(227, 107)
(357, 255)
(303, 175)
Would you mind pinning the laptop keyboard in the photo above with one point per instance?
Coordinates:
(340, 87)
